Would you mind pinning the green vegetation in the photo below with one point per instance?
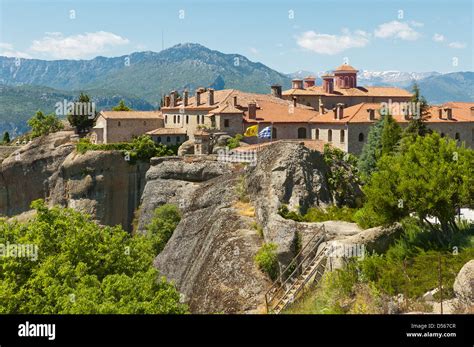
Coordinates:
(121, 106)
(267, 261)
(409, 267)
(234, 142)
(433, 177)
(417, 126)
(81, 268)
(44, 124)
(165, 219)
(6, 138)
(318, 214)
(79, 117)
(241, 191)
(141, 148)
(342, 175)
(258, 228)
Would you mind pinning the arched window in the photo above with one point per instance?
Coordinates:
(361, 137)
(187, 119)
(174, 119)
(166, 118)
(329, 135)
(457, 136)
(158, 139)
(442, 134)
(346, 82)
(274, 133)
(178, 139)
(353, 83)
(119, 123)
(317, 134)
(168, 139)
(179, 118)
(301, 133)
(342, 136)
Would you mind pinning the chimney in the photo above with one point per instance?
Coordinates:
(185, 97)
(167, 101)
(294, 101)
(173, 98)
(198, 96)
(276, 91)
(210, 97)
(371, 113)
(309, 81)
(235, 100)
(297, 84)
(252, 110)
(340, 110)
(440, 113)
(328, 84)
(449, 112)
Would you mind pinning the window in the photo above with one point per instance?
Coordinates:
(168, 139)
(317, 134)
(178, 139)
(174, 119)
(343, 135)
(158, 139)
(119, 123)
(457, 136)
(442, 134)
(166, 118)
(329, 135)
(274, 133)
(187, 119)
(202, 119)
(226, 123)
(179, 118)
(301, 133)
(144, 122)
(361, 137)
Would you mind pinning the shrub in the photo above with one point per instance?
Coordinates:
(267, 260)
(316, 214)
(165, 219)
(287, 214)
(234, 142)
(44, 124)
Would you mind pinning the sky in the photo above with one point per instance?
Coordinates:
(288, 36)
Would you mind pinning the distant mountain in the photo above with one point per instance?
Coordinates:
(19, 103)
(147, 74)
(456, 86)
(392, 78)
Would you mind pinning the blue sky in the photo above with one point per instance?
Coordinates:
(285, 35)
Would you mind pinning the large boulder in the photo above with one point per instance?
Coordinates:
(187, 147)
(30, 172)
(376, 239)
(102, 184)
(464, 283)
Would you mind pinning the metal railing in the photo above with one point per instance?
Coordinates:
(295, 268)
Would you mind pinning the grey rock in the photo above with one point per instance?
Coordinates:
(464, 283)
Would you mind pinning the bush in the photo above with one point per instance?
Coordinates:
(267, 261)
(80, 268)
(316, 214)
(287, 214)
(235, 141)
(366, 218)
(141, 148)
(165, 219)
(44, 124)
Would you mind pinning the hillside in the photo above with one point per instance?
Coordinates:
(456, 86)
(19, 103)
(149, 74)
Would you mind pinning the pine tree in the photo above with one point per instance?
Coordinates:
(416, 126)
(6, 137)
(391, 134)
(80, 120)
(121, 106)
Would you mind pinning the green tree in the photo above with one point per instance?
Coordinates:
(121, 107)
(165, 219)
(81, 268)
(391, 135)
(432, 177)
(234, 142)
(44, 124)
(79, 117)
(6, 137)
(417, 126)
(372, 149)
(267, 260)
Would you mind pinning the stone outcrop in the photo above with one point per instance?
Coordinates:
(102, 184)
(464, 283)
(30, 173)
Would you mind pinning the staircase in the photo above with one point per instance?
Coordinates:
(306, 270)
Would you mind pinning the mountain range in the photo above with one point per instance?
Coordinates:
(142, 78)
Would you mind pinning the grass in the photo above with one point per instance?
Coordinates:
(409, 267)
(244, 208)
(318, 214)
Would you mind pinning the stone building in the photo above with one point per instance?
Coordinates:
(339, 87)
(122, 126)
(347, 128)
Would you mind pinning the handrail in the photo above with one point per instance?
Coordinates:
(271, 294)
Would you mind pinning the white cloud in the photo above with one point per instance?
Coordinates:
(396, 29)
(253, 50)
(417, 24)
(458, 45)
(332, 44)
(85, 45)
(7, 50)
(438, 37)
